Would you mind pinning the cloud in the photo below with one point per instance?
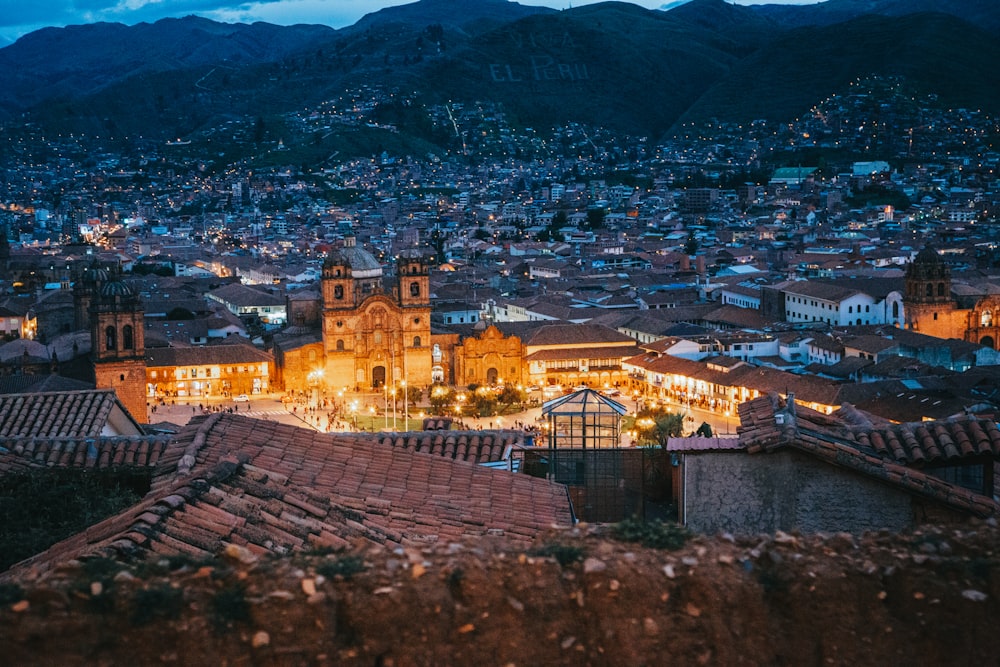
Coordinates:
(337, 13)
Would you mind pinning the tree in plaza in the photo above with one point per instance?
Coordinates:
(441, 397)
(485, 402)
(655, 427)
(511, 395)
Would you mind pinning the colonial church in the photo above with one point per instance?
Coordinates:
(113, 312)
(935, 307)
(375, 329)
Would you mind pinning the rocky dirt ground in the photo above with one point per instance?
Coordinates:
(579, 597)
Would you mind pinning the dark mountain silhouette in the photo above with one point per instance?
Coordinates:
(805, 65)
(81, 60)
(982, 13)
(455, 14)
(613, 64)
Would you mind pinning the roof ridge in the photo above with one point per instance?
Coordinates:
(189, 458)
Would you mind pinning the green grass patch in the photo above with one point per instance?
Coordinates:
(564, 554)
(230, 606)
(652, 534)
(345, 567)
(161, 602)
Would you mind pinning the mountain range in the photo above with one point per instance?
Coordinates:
(611, 64)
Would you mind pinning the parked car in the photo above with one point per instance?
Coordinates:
(242, 398)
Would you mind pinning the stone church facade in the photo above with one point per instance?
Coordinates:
(375, 329)
(933, 308)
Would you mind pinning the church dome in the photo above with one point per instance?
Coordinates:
(928, 256)
(362, 263)
(92, 275)
(116, 288)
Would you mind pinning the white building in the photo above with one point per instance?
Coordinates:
(807, 301)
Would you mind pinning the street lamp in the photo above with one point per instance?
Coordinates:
(393, 393)
(385, 401)
(406, 406)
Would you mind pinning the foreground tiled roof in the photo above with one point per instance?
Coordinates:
(24, 384)
(272, 488)
(704, 444)
(890, 452)
(468, 446)
(132, 452)
(62, 414)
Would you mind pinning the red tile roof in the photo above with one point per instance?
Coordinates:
(131, 452)
(472, 446)
(875, 447)
(61, 414)
(228, 479)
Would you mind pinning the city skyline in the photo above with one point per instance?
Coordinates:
(19, 18)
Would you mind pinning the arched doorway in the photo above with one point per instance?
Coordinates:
(987, 341)
(491, 375)
(378, 377)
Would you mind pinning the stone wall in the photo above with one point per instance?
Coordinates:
(787, 490)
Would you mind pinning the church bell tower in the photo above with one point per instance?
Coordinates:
(117, 345)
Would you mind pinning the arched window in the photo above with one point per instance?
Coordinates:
(986, 320)
(128, 338)
(416, 341)
(940, 289)
(895, 309)
(414, 289)
(110, 339)
(340, 346)
(338, 291)
(930, 289)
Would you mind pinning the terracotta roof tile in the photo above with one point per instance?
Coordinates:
(879, 449)
(230, 479)
(69, 414)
